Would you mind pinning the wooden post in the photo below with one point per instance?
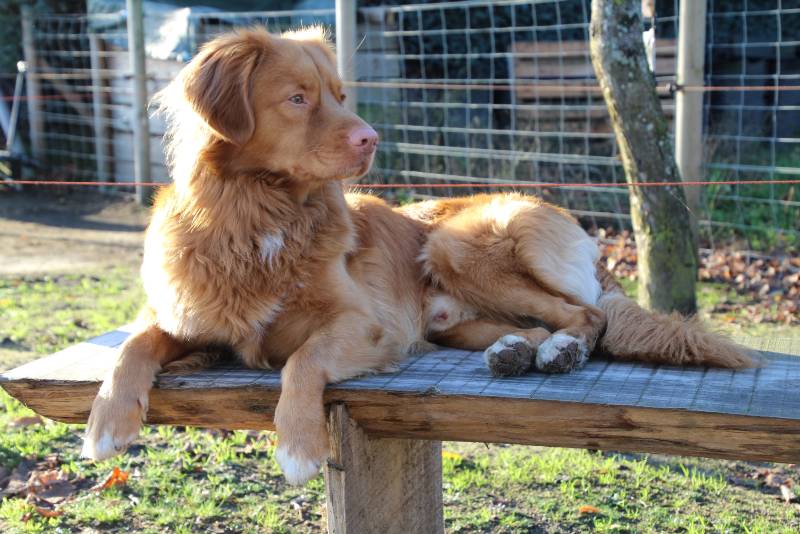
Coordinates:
(32, 72)
(346, 41)
(141, 126)
(689, 104)
(101, 130)
(13, 144)
(665, 237)
(384, 485)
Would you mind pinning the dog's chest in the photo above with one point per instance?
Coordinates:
(230, 289)
(205, 301)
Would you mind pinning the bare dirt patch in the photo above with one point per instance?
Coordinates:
(67, 232)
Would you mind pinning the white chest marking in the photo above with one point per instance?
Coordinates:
(271, 245)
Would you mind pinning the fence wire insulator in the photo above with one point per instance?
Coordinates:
(672, 87)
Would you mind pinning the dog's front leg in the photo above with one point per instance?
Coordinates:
(121, 403)
(348, 347)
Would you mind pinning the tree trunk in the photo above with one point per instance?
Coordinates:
(662, 222)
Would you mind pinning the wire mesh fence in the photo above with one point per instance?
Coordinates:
(753, 133)
(468, 92)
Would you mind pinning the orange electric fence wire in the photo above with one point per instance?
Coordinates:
(521, 185)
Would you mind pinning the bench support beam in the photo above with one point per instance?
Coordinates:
(381, 485)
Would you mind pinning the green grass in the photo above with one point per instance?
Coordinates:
(41, 315)
(191, 480)
(181, 480)
(512, 488)
(768, 226)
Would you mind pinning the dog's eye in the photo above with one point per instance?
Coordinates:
(343, 97)
(297, 99)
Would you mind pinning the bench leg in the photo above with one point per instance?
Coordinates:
(381, 485)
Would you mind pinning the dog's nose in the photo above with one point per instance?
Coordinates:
(363, 137)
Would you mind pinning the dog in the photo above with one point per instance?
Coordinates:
(256, 247)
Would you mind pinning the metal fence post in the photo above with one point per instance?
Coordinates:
(141, 126)
(346, 49)
(32, 72)
(689, 104)
(101, 137)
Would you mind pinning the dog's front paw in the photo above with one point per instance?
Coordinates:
(510, 355)
(561, 353)
(113, 425)
(302, 443)
(297, 467)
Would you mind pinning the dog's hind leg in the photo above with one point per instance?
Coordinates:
(576, 327)
(519, 258)
(121, 403)
(507, 349)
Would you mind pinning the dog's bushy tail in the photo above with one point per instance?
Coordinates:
(633, 333)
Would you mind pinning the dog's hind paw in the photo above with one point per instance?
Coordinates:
(561, 353)
(297, 469)
(511, 355)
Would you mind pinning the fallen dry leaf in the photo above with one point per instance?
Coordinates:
(22, 422)
(761, 472)
(40, 479)
(18, 482)
(117, 477)
(775, 480)
(52, 461)
(772, 283)
(589, 509)
(45, 512)
(52, 486)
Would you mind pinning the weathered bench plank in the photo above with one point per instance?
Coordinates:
(449, 395)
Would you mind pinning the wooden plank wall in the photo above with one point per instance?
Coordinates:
(540, 67)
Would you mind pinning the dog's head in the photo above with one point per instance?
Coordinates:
(275, 103)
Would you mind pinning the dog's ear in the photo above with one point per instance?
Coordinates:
(218, 84)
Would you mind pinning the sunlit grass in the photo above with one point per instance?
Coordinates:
(191, 480)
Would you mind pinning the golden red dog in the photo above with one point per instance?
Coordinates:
(256, 247)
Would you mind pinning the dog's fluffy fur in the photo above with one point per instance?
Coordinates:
(255, 247)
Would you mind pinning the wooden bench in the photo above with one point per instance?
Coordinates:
(384, 473)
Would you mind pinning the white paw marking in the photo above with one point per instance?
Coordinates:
(297, 470)
(101, 449)
(552, 347)
(502, 344)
